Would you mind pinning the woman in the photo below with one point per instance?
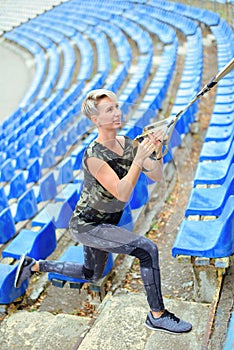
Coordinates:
(111, 170)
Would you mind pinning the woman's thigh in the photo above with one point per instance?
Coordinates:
(104, 237)
(110, 238)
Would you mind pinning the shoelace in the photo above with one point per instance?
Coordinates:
(171, 316)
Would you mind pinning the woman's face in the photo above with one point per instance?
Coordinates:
(109, 115)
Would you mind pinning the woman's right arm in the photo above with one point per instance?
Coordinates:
(106, 176)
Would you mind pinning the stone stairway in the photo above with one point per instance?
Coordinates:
(119, 325)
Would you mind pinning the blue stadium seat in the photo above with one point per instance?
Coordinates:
(11, 149)
(211, 239)
(90, 137)
(219, 132)
(7, 225)
(211, 200)
(39, 74)
(22, 141)
(213, 172)
(76, 254)
(60, 146)
(71, 192)
(52, 74)
(140, 194)
(130, 94)
(60, 211)
(223, 108)
(7, 171)
(186, 25)
(131, 129)
(221, 119)
(45, 140)
(216, 150)
(3, 199)
(3, 155)
(126, 220)
(33, 172)
(16, 187)
(8, 293)
(224, 99)
(35, 149)
(38, 243)
(43, 41)
(210, 18)
(71, 136)
(46, 189)
(225, 88)
(77, 156)
(165, 33)
(68, 66)
(48, 158)
(69, 97)
(46, 123)
(65, 171)
(26, 207)
(85, 48)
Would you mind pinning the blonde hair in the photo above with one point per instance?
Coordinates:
(93, 98)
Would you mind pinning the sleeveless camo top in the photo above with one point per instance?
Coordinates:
(96, 204)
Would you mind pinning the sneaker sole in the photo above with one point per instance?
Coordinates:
(19, 270)
(166, 330)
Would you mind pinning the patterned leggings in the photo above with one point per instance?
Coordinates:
(106, 238)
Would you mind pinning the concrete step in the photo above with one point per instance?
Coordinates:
(25, 330)
(120, 325)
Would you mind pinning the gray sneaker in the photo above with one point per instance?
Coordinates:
(24, 270)
(168, 322)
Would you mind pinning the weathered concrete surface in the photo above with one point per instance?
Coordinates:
(41, 330)
(224, 309)
(120, 325)
(16, 74)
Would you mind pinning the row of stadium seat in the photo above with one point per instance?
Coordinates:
(182, 23)
(212, 196)
(190, 84)
(191, 77)
(46, 125)
(210, 18)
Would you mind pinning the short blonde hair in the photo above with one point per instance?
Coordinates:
(93, 98)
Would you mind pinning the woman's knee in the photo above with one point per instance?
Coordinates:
(88, 273)
(93, 274)
(149, 246)
(147, 253)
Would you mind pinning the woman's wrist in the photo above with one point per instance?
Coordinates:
(138, 163)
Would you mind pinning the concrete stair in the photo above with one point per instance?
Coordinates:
(119, 325)
(41, 330)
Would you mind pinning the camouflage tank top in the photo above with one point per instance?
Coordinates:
(96, 205)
